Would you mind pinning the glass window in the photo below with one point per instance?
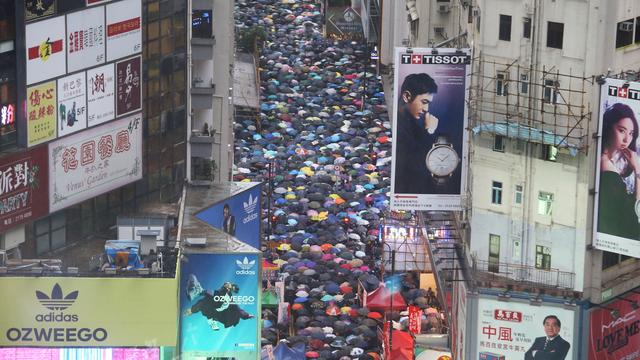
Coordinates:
(518, 194)
(545, 203)
(526, 28)
(494, 253)
(201, 24)
(496, 192)
(543, 257)
(505, 28)
(501, 83)
(550, 91)
(624, 33)
(524, 83)
(555, 33)
(498, 143)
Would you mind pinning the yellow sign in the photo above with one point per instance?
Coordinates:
(71, 312)
(41, 113)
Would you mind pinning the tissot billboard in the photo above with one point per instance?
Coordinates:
(219, 303)
(617, 215)
(615, 338)
(429, 136)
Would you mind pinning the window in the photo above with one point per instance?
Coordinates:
(524, 83)
(496, 192)
(526, 28)
(498, 143)
(549, 153)
(201, 24)
(494, 253)
(636, 38)
(501, 83)
(610, 259)
(624, 33)
(505, 28)
(545, 203)
(518, 194)
(555, 33)
(543, 257)
(550, 91)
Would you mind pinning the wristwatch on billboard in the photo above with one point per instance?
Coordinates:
(442, 160)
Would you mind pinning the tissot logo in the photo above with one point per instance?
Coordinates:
(56, 301)
(250, 205)
(246, 266)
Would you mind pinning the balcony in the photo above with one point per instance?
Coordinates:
(202, 93)
(491, 274)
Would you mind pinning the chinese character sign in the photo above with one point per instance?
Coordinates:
(129, 89)
(86, 38)
(415, 319)
(516, 331)
(45, 52)
(23, 187)
(124, 32)
(72, 109)
(95, 161)
(100, 95)
(41, 113)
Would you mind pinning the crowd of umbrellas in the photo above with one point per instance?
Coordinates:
(324, 138)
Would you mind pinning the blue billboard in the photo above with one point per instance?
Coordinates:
(219, 306)
(238, 215)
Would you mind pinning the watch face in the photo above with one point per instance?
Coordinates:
(442, 160)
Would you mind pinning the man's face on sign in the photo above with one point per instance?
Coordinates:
(418, 105)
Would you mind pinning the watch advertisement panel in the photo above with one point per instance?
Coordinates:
(101, 85)
(128, 86)
(511, 330)
(72, 99)
(429, 143)
(41, 113)
(617, 207)
(124, 29)
(219, 303)
(615, 338)
(94, 161)
(45, 47)
(85, 39)
(23, 190)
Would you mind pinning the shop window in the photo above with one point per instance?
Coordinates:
(543, 257)
(555, 34)
(201, 24)
(496, 192)
(545, 203)
(504, 32)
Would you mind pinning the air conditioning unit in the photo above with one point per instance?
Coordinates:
(444, 9)
(626, 26)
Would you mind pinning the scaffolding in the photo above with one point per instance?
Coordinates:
(539, 105)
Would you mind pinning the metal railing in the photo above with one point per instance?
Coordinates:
(512, 274)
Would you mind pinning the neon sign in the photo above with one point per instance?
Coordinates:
(7, 114)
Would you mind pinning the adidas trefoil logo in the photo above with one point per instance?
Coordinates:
(56, 301)
(246, 266)
(250, 205)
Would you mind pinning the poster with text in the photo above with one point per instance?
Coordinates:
(219, 306)
(85, 39)
(41, 113)
(45, 49)
(95, 161)
(72, 108)
(510, 330)
(24, 188)
(617, 206)
(101, 85)
(124, 31)
(128, 86)
(615, 338)
(429, 137)
(35, 9)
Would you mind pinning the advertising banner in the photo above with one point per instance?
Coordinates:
(7, 114)
(429, 141)
(85, 39)
(35, 9)
(41, 113)
(515, 331)
(615, 338)
(101, 86)
(415, 319)
(96, 2)
(79, 353)
(23, 190)
(45, 49)
(82, 312)
(238, 216)
(72, 99)
(617, 204)
(94, 161)
(344, 22)
(219, 303)
(124, 29)
(128, 86)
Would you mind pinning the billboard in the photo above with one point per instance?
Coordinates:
(39, 8)
(124, 29)
(515, 331)
(615, 338)
(41, 113)
(429, 142)
(100, 94)
(23, 190)
(242, 217)
(45, 49)
(128, 86)
(80, 353)
(219, 303)
(85, 39)
(617, 205)
(62, 312)
(72, 100)
(94, 161)
(344, 22)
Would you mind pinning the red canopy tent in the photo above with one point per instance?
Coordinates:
(380, 300)
(402, 347)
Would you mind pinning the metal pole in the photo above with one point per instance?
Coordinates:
(269, 191)
(393, 270)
